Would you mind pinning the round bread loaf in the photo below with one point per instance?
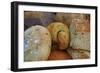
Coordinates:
(60, 34)
(37, 43)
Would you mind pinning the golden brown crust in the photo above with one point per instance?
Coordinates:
(60, 34)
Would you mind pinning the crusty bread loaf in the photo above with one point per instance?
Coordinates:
(78, 53)
(37, 43)
(60, 34)
(80, 34)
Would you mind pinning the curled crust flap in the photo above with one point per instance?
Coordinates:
(60, 34)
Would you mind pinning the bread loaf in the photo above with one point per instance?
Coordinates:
(80, 34)
(37, 43)
(60, 34)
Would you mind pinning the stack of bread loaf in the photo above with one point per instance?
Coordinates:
(63, 36)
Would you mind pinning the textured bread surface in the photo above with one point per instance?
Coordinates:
(37, 45)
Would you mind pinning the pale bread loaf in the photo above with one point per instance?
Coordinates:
(37, 43)
(80, 35)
